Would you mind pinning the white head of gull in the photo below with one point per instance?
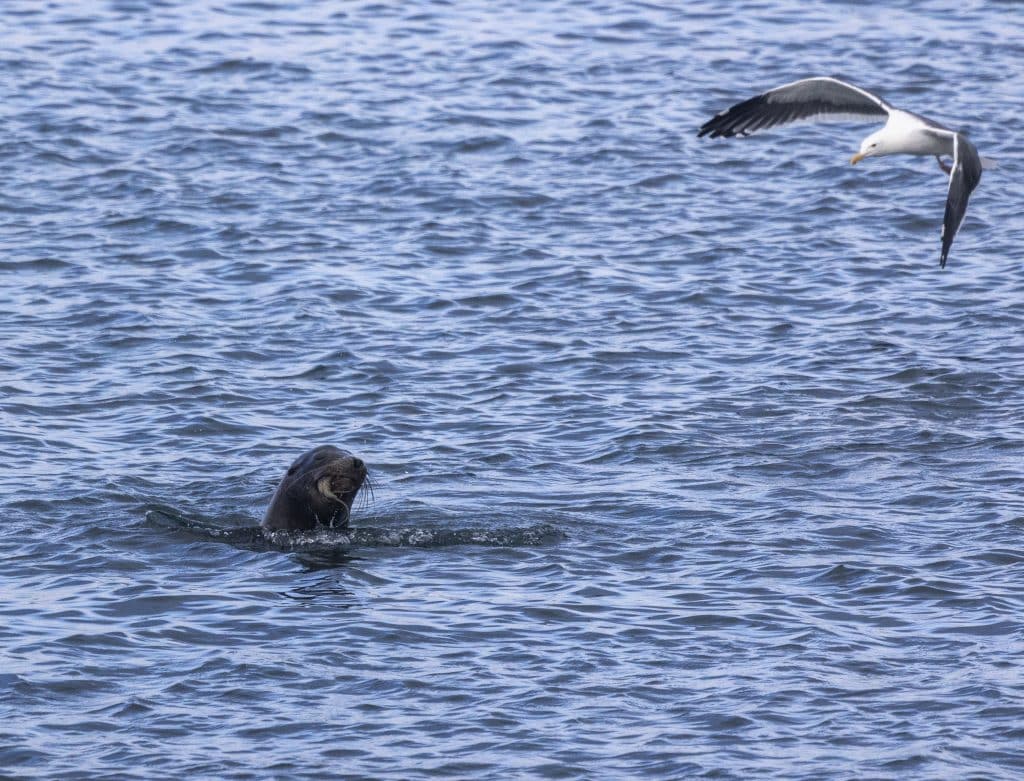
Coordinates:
(905, 133)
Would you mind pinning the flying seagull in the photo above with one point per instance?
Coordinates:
(828, 99)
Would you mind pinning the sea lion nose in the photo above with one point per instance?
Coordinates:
(358, 464)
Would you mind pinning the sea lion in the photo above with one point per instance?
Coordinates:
(317, 490)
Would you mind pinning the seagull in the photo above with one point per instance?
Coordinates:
(829, 99)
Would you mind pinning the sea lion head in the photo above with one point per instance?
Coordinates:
(317, 490)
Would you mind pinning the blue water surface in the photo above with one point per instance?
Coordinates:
(688, 461)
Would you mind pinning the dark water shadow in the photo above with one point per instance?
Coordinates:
(327, 589)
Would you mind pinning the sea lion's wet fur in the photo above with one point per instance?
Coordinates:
(317, 490)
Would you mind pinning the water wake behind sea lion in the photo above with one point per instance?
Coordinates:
(342, 540)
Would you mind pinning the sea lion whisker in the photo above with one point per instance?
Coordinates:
(367, 498)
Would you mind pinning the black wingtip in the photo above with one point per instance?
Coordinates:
(708, 127)
(734, 121)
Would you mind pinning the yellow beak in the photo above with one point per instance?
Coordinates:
(857, 158)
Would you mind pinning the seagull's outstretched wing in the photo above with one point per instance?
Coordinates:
(822, 98)
(963, 179)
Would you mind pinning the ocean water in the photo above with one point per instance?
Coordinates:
(687, 460)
